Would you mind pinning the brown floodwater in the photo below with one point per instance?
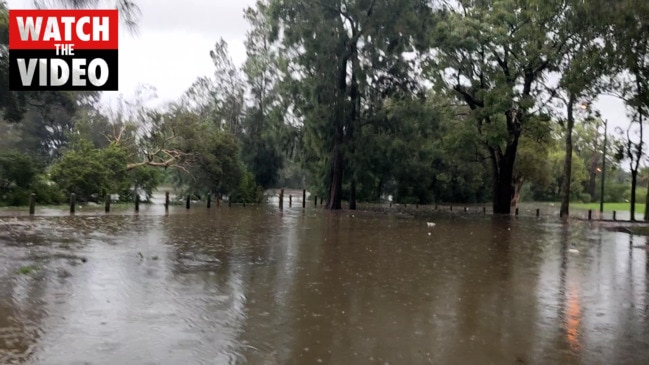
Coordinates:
(258, 286)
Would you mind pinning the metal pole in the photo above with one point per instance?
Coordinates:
(601, 194)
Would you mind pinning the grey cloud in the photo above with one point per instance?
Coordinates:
(209, 18)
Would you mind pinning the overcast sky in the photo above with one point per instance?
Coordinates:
(172, 47)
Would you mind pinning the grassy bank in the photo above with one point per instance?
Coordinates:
(608, 207)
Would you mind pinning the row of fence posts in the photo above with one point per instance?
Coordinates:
(290, 199)
(107, 202)
(73, 200)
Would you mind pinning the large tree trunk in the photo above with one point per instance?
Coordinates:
(335, 186)
(518, 186)
(503, 166)
(503, 188)
(352, 195)
(503, 192)
(567, 162)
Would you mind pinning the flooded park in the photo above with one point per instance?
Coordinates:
(257, 285)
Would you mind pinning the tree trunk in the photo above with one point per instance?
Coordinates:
(352, 195)
(646, 207)
(567, 162)
(634, 181)
(503, 194)
(518, 186)
(503, 182)
(335, 186)
(592, 182)
(503, 166)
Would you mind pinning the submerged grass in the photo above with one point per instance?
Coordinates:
(26, 270)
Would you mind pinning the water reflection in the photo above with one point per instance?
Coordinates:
(264, 286)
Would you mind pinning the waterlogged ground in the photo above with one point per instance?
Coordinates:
(253, 285)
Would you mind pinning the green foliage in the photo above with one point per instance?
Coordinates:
(247, 191)
(142, 179)
(550, 189)
(91, 173)
(18, 173)
(20, 176)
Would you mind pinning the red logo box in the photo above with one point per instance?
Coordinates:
(63, 49)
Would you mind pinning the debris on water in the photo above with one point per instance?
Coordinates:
(63, 273)
(430, 224)
(573, 250)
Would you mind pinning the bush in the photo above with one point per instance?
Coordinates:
(585, 198)
(248, 191)
(18, 173)
(90, 173)
(615, 193)
(47, 192)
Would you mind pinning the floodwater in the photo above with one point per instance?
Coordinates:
(255, 285)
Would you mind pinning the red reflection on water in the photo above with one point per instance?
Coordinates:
(573, 318)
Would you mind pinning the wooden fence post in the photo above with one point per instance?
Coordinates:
(107, 203)
(187, 202)
(73, 202)
(166, 201)
(32, 203)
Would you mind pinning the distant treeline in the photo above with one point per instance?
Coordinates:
(357, 100)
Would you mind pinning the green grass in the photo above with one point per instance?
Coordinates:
(608, 207)
(25, 270)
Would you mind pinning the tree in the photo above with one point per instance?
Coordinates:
(532, 160)
(493, 55)
(580, 71)
(631, 149)
(263, 124)
(333, 48)
(91, 173)
(624, 26)
(220, 98)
